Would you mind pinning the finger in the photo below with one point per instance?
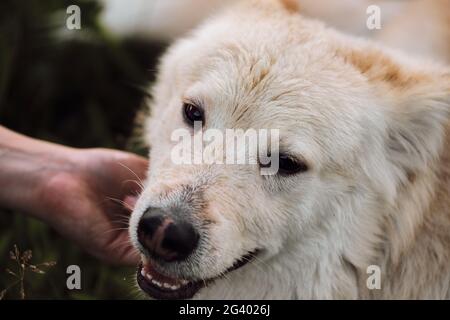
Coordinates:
(122, 251)
(131, 258)
(133, 173)
(136, 164)
(130, 202)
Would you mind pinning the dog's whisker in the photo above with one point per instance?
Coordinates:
(141, 183)
(121, 202)
(122, 244)
(123, 221)
(115, 230)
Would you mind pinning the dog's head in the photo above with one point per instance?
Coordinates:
(354, 124)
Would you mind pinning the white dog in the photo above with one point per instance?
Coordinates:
(364, 176)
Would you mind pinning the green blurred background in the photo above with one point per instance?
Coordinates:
(81, 88)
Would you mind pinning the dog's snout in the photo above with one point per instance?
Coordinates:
(165, 238)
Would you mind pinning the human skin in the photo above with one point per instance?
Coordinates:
(85, 194)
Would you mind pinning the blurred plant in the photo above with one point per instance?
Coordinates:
(65, 80)
(23, 264)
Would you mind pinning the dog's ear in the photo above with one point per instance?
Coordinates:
(291, 6)
(416, 102)
(416, 125)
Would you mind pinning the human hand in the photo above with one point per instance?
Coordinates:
(85, 194)
(91, 199)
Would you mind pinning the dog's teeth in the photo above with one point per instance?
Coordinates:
(157, 283)
(165, 285)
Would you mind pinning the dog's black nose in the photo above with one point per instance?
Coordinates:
(165, 238)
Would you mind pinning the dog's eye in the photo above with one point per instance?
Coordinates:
(192, 113)
(287, 165)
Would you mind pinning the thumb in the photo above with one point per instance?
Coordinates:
(129, 202)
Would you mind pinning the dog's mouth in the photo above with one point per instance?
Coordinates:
(160, 286)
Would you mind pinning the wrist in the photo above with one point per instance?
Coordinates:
(15, 142)
(26, 164)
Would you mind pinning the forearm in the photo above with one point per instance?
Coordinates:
(24, 165)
